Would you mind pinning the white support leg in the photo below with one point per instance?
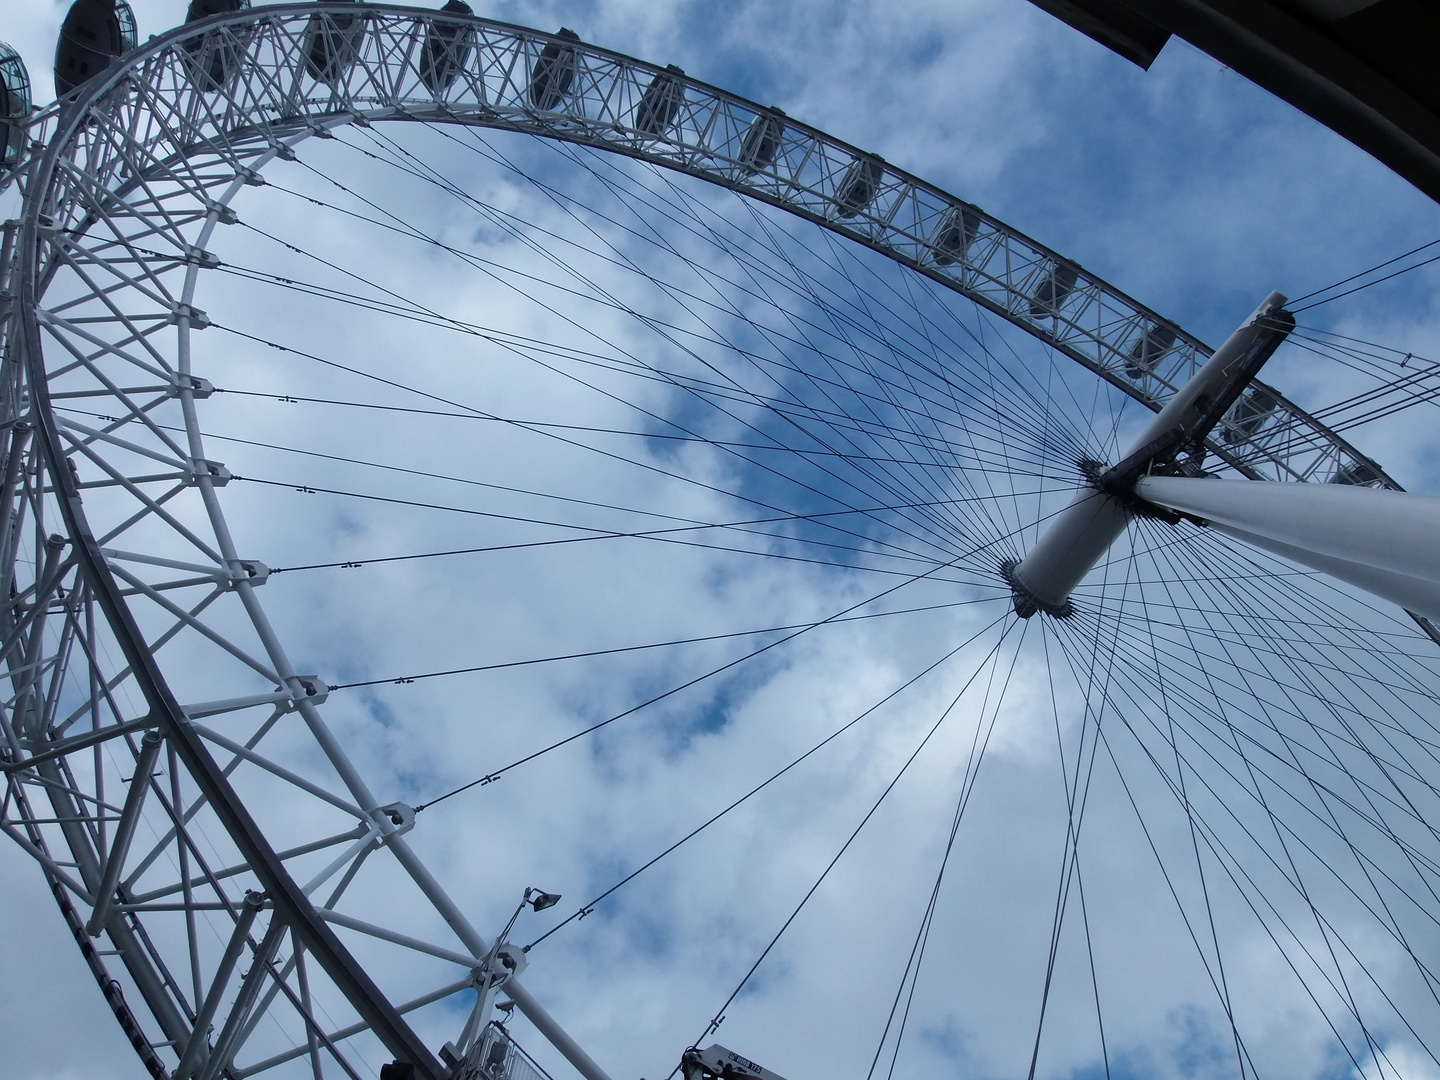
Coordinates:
(1385, 542)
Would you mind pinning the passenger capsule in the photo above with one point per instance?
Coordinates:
(129, 28)
(447, 49)
(762, 141)
(958, 229)
(554, 72)
(93, 34)
(859, 186)
(1359, 473)
(15, 106)
(203, 9)
(332, 45)
(1251, 411)
(661, 102)
(1147, 350)
(213, 56)
(1054, 287)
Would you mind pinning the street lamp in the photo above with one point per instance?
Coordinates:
(503, 962)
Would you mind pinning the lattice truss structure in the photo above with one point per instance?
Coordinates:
(229, 941)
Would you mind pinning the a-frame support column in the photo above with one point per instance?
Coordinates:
(1385, 542)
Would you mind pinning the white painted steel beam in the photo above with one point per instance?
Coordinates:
(124, 833)
(1385, 542)
(196, 1049)
(78, 742)
(230, 1035)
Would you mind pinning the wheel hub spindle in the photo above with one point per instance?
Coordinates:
(1080, 535)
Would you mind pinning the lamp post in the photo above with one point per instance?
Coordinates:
(500, 964)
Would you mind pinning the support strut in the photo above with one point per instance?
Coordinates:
(124, 832)
(1382, 541)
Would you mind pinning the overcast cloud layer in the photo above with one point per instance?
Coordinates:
(1184, 186)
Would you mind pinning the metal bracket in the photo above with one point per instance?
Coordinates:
(205, 260)
(219, 475)
(223, 214)
(199, 388)
(198, 319)
(316, 690)
(252, 571)
(400, 815)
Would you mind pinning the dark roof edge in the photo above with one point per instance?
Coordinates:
(1114, 24)
(1299, 63)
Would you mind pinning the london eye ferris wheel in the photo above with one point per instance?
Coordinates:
(522, 560)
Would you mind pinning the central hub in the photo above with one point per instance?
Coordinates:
(1080, 535)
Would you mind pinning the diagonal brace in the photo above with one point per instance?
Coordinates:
(196, 1046)
(124, 833)
(231, 1034)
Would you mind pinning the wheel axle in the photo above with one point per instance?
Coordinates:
(1080, 535)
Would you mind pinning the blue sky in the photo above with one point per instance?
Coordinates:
(1184, 186)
